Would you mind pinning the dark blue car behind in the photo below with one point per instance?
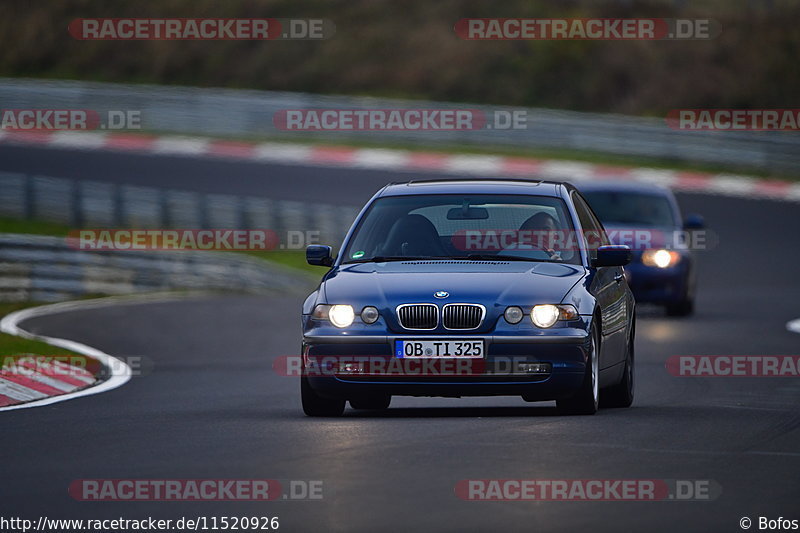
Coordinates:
(433, 293)
(647, 217)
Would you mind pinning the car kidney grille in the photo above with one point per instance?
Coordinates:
(463, 316)
(418, 316)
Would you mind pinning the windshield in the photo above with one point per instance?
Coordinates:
(631, 208)
(477, 227)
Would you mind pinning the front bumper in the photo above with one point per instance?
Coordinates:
(563, 351)
(658, 285)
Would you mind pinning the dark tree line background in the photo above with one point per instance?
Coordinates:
(408, 48)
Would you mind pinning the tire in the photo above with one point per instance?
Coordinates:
(587, 399)
(621, 394)
(685, 306)
(682, 308)
(372, 402)
(316, 405)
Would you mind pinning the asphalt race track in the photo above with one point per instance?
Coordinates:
(213, 408)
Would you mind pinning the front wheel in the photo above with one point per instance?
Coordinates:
(586, 400)
(316, 405)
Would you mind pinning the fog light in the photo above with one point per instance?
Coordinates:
(351, 368)
(534, 368)
(513, 314)
(369, 314)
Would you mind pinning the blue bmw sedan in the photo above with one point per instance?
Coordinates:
(647, 217)
(470, 288)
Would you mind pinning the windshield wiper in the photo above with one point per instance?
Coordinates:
(470, 257)
(493, 257)
(389, 258)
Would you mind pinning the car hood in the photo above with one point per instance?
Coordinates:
(494, 284)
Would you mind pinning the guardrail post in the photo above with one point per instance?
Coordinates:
(243, 221)
(202, 204)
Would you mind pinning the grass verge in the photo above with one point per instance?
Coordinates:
(295, 259)
(12, 346)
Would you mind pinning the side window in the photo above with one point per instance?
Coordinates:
(593, 233)
(599, 225)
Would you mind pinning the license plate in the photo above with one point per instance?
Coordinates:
(432, 348)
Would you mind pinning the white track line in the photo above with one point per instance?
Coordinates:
(121, 371)
(793, 325)
(10, 324)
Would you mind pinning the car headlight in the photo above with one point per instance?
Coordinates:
(340, 316)
(546, 315)
(660, 258)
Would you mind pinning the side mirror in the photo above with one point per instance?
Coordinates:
(319, 255)
(694, 222)
(612, 256)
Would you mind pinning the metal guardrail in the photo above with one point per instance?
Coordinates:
(47, 269)
(90, 204)
(228, 112)
(42, 268)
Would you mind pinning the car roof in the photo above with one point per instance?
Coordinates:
(476, 186)
(624, 186)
